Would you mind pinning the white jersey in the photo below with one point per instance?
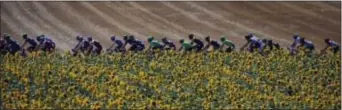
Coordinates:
(333, 44)
(296, 42)
(308, 44)
(261, 45)
(254, 39)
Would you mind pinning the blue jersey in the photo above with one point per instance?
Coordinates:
(119, 43)
(41, 41)
(253, 39)
(80, 39)
(97, 44)
(215, 44)
(2, 44)
(169, 43)
(45, 40)
(32, 42)
(198, 42)
(139, 42)
(130, 41)
(85, 44)
(12, 44)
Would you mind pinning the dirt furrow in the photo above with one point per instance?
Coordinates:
(43, 11)
(282, 11)
(228, 22)
(45, 27)
(307, 20)
(230, 27)
(313, 11)
(7, 26)
(111, 20)
(134, 16)
(21, 19)
(247, 22)
(174, 27)
(165, 29)
(195, 18)
(224, 28)
(21, 22)
(295, 23)
(276, 20)
(82, 25)
(326, 7)
(175, 17)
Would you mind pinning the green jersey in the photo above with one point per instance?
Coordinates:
(186, 45)
(228, 43)
(155, 43)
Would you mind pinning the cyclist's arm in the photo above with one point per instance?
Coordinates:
(125, 44)
(233, 45)
(293, 44)
(206, 47)
(23, 44)
(149, 47)
(221, 47)
(39, 45)
(174, 48)
(244, 46)
(325, 48)
(261, 50)
(180, 49)
(112, 46)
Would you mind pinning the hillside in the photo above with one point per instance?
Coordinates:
(276, 20)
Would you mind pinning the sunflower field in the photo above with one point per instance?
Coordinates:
(171, 80)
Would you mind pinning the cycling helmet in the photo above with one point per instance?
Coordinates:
(191, 36)
(277, 46)
(112, 38)
(79, 38)
(125, 37)
(164, 39)
(295, 36)
(181, 41)
(326, 40)
(150, 38)
(223, 38)
(90, 38)
(39, 38)
(131, 37)
(25, 36)
(264, 40)
(7, 37)
(207, 38)
(248, 36)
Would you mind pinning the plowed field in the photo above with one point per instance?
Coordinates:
(276, 20)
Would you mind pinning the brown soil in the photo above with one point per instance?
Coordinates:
(276, 20)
